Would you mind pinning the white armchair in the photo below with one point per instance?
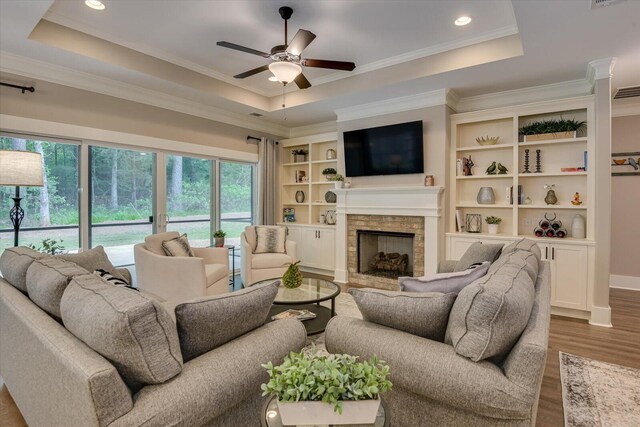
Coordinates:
(179, 279)
(257, 267)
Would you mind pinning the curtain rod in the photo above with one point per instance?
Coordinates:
(249, 138)
(22, 88)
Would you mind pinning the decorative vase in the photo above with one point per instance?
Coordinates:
(551, 198)
(486, 196)
(330, 217)
(578, 227)
(339, 184)
(218, 242)
(331, 154)
(321, 413)
(300, 196)
(493, 228)
(322, 219)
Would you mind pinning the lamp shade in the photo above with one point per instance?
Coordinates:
(21, 168)
(284, 71)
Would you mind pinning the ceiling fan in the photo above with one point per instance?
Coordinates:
(286, 59)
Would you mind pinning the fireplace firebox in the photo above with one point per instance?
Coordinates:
(385, 254)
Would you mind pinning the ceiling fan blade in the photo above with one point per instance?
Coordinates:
(300, 41)
(243, 49)
(251, 72)
(323, 63)
(302, 81)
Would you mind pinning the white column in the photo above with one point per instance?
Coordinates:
(342, 273)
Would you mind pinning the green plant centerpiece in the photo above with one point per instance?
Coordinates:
(329, 173)
(292, 278)
(49, 246)
(338, 180)
(218, 238)
(551, 129)
(327, 389)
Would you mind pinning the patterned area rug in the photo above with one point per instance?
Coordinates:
(345, 306)
(599, 394)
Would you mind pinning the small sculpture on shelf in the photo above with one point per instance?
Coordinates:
(550, 198)
(488, 140)
(576, 199)
(491, 170)
(526, 161)
(467, 164)
(538, 161)
(502, 170)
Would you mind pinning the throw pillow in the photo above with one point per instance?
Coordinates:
(47, 278)
(489, 315)
(270, 239)
(421, 314)
(178, 246)
(112, 279)
(478, 252)
(153, 242)
(444, 282)
(92, 260)
(523, 245)
(133, 332)
(14, 263)
(209, 322)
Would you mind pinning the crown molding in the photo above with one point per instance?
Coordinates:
(31, 68)
(620, 108)
(394, 105)
(527, 95)
(600, 69)
(314, 129)
(421, 53)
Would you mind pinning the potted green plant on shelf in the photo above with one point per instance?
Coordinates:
(334, 389)
(329, 173)
(299, 155)
(338, 180)
(218, 238)
(551, 129)
(493, 222)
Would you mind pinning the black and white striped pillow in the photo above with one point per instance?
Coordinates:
(178, 247)
(112, 279)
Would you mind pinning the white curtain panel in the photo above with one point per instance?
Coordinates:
(267, 181)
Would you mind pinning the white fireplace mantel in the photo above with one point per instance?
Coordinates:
(423, 202)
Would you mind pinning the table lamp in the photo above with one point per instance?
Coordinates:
(20, 169)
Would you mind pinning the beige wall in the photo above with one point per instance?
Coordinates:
(625, 203)
(57, 103)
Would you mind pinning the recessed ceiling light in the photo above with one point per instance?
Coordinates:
(273, 79)
(463, 20)
(94, 4)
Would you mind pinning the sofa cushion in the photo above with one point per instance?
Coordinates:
(209, 322)
(523, 245)
(530, 260)
(133, 332)
(270, 261)
(153, 243)
(14, 263)
(478, 252)
(215, 272)
(47, 278)
(250, 236)
(178, 246)
(444, 282)
(92, 260)
(270, 239)
(421, 314)
(490, 314)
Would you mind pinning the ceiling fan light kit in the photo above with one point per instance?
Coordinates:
(287, 63)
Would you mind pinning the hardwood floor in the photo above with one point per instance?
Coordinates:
(620, 345)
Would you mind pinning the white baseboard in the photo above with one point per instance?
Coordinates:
(601, 316)
(624, 282)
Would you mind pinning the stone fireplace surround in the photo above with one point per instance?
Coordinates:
(416, 210)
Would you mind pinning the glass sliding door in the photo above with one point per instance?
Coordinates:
(122, 193)
(51, 212)
(236, 199)
(189, 198)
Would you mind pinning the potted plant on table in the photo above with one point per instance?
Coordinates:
(329, 173)
(218, 238)
(493, 222)
(332, 389)
(299, 155)
(338, 180)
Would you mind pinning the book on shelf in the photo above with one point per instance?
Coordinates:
(294, 314)
(459, 224)
(288, 215)
(520, 195)
(509, 195)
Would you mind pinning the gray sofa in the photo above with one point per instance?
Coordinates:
(57, 380)
(434, 385)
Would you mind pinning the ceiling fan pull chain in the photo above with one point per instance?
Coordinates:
(284, 108)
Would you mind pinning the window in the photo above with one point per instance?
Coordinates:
(236, 199)
(51, 212)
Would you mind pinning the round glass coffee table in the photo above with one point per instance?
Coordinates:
(271, 415)
(307, 296)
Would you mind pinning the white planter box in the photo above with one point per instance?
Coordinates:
(318, 413)
(493, 228)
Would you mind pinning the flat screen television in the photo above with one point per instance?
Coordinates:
(385, 150)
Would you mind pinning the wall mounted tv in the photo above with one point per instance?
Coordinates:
(386, 150)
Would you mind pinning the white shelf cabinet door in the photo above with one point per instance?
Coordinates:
(545, 251)
(569, 276)
(326, 249)
(297, 235)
